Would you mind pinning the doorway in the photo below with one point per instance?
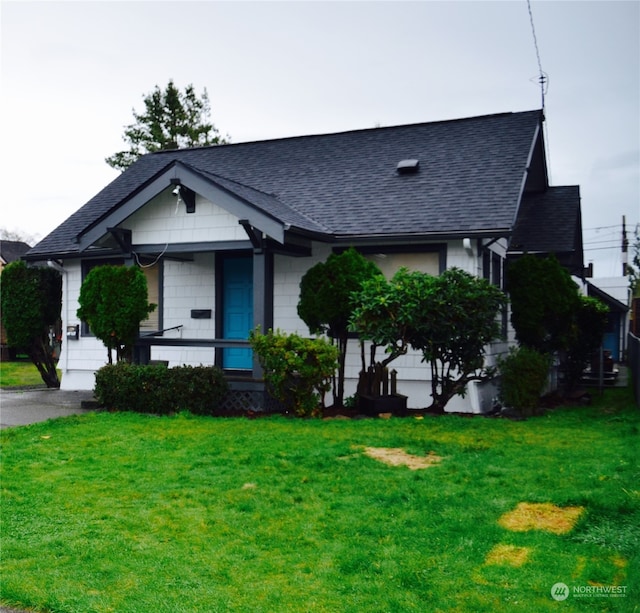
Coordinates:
(237, 310)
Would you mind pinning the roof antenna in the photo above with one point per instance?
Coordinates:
(543, 77)
(543, 80)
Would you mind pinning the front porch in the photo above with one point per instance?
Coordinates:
(247, 391)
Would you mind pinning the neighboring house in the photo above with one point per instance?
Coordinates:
(10, 251)
(226, 233)
(615, 292)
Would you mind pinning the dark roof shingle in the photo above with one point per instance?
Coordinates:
(470, 179)
(10, 251)
(549, 222)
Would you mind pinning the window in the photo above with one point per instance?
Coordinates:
(492, 268)
(429, 259)
(390, 263)
(152, 272)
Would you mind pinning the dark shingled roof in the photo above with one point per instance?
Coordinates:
(551, 222)
(10, 251)
(471, 177)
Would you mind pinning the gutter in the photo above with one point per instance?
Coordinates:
(409, 236)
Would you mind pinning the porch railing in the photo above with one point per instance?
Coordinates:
(246, 393)
(142, 347)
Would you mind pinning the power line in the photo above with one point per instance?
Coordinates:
(615, 247)
(600, 236)
(607, 242)
(602, 227)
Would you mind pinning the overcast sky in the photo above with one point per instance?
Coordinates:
(73, 71)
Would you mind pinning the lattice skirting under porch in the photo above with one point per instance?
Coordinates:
(249, 396)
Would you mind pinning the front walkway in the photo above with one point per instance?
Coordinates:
(19, 407)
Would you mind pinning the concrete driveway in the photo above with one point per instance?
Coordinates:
(19, 407)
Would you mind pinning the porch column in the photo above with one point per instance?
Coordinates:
(262, 296)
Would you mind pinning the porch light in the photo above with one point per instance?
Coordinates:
(184, 194)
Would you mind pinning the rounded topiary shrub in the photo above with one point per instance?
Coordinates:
(523, 375)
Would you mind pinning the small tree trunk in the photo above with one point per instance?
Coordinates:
(436, 380)
(338, 397)
(41, 357)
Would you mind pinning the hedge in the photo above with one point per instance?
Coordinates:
(160, 390)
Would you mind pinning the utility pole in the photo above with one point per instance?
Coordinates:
(625, 247)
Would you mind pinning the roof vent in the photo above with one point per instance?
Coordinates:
(408, 167)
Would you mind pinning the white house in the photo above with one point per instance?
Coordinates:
(225, 233)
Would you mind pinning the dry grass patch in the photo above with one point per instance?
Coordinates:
(620, 564)
(508, 555)
(541, 516)
(399, 457)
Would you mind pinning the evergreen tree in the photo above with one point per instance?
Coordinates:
(171, 119)
(113, 301)
(31, 303)
(325, 303)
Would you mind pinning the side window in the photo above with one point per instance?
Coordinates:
(493, 271)
(430, 259)
(153, 273)
(486, 264)
(496, 270)
(492, 268)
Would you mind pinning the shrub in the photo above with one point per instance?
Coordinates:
(544, 300)
(31, 299)
(160, 390)
(325, 303)
(297, 370)
(449, 318)
(199, 389)
(523, 374)
(113, 301)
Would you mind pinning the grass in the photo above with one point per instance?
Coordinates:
(129, 513)
(19, 374)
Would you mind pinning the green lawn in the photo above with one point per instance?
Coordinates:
(129, 513)
(17, 374)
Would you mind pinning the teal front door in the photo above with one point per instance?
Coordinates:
(237, 309)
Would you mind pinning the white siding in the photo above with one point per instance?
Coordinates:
(288, 273)
(79, 359)
(162, 220)
(413, 375)
(187, 286)
(191, 285)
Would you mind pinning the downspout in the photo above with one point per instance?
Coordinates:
(65, 318)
